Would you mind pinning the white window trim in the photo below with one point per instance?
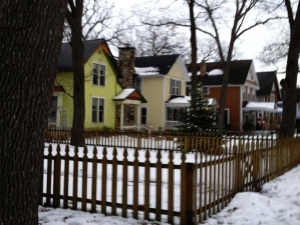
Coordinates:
(102, 97)
(176, 79)
(147, 110)
(103, 64)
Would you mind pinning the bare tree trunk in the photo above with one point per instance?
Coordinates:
(74, 19)
(194, 50)
(226, 70)
(30, 41)
(287, 127)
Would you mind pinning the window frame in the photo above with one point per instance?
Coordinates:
(228, 115)
(207, 92)
(136, 82)
(98, 110)
(244, 93)
(101, 67)
(141, 119)
(175, 89)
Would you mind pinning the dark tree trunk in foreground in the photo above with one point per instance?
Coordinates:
(30, 41)
(74, 18)
(194, 50)
(287, 127)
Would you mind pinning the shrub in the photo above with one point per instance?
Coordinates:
(248, 126)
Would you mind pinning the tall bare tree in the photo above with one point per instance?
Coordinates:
(85, 20)
(287, 126)
(213, 11)
(30, 34)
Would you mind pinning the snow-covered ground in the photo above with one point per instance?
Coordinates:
(278, 203)
(59, 216)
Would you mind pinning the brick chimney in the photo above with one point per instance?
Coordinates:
(126, 64)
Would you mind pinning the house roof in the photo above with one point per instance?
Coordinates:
(266, 80)
(239, 70)
(65, 58)
(161, 64)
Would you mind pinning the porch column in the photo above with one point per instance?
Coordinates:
(122, 117)
(138, 116)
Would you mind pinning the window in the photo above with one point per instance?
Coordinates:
(272, 98)
(253, 96)
(206, 90)
(143, 115)
(188, 90)
(259, 115)
(175, 87)
(174, 114)
(138, 84)
(244, 93)
(249, 90)
(98, 75)
(261, 98)
(98, 110)
(226, 117)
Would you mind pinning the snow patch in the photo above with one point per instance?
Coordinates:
(146, 71)
(215, 72)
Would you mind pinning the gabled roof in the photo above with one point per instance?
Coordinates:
(239, 70)
(266, 80)
(130, 94)
(161, 63)
(65, 58)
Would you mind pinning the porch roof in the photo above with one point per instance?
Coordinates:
(262, 106)
(130, 94)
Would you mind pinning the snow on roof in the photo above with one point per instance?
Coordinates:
(262, 106)
(190, 73)
(124, 94)
(146, 71)
(215, 72)
(184, 101)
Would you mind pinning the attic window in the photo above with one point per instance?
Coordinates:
(98, 75)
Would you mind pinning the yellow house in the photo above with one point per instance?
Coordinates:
(159, 79)
(101, 87)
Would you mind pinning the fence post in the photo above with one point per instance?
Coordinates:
(56, 188)
(187, 174)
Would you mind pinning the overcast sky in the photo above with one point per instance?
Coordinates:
(250, 44)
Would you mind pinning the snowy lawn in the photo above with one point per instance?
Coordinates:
(277, 203)
(59, 216)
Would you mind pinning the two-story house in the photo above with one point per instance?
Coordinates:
(103, 91)
(242, 87)
(159, 79)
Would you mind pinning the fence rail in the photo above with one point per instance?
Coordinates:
(178, 187)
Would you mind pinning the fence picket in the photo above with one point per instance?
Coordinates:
(114, 183)
(75, 179)
(66, 178)
(104, 178)
(147, 185)
(124, 188)
(94, 180)
(135, 184)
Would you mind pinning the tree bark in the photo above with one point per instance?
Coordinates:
(74, 19)
(30, 41)
(287, 127)
(194, 50)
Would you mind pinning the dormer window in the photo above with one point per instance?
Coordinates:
(98, 75)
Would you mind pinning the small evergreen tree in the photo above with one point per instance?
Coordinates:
(200, 116)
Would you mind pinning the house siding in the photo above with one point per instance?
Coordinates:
(232, 102)
(153, 91)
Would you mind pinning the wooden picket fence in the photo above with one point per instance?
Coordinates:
(178, 187)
